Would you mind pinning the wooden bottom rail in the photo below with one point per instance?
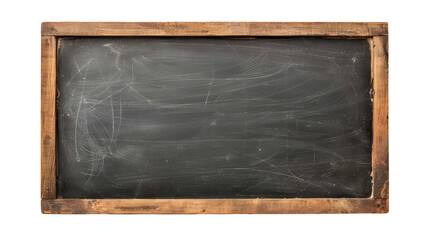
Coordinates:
(214, 206)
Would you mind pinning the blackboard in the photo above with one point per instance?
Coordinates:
(214, 118)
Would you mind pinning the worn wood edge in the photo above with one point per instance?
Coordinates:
(344, 29)
(380, 156)
(48, 122)
(214, 206)
(370, 42)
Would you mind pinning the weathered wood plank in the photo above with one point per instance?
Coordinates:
(346, 29)
(214, 206)
(380, 118)
(48, 78)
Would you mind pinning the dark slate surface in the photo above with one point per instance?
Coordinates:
(214, 118)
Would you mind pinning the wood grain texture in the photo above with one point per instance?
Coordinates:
(214, 206)
(380, 118)
(48, 78)
(345, 29)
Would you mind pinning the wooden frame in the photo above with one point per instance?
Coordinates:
(375, 33)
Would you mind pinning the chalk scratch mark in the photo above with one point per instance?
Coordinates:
(80, 104)
(112, 117)
(210, 85)
(120, 117)
(255, 185)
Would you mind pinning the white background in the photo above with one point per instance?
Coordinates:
(20, 123)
